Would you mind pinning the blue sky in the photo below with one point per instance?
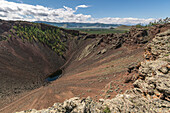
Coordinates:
(99, 10)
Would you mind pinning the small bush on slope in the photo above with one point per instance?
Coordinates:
(107, 110)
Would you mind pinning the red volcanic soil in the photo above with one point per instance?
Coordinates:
(24, 66)
(95, 66)
(92, 80)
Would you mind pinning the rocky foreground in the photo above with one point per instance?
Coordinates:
(151, 91)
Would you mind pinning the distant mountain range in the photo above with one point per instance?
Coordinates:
(80, 25)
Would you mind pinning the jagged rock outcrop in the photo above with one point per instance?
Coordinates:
(151, 93)
(159, 47)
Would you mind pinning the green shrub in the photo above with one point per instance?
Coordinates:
(140, 26)
(107, 110)
(15, 27)
(9, 36)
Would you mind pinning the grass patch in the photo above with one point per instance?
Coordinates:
(100, 31)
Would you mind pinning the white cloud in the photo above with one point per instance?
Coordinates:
(20, 11)
(81, 6)
(26, 12)
(129, 21)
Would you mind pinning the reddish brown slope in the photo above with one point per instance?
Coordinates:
(87, 83)
(24, 65)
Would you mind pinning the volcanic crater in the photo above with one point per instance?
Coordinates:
(57, 64)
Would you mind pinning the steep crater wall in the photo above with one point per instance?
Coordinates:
(30, 53)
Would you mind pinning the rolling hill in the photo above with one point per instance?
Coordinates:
(80, 25)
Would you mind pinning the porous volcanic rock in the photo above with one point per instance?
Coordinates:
(159, 47)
